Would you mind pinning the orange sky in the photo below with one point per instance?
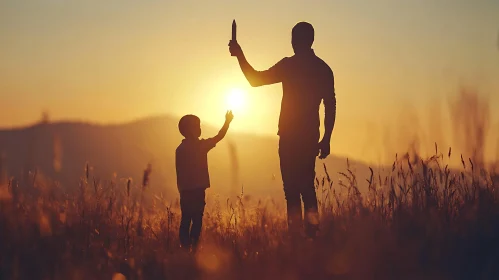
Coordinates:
(114, 61)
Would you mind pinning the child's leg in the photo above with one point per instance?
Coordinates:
(197, 217)
(185, 222)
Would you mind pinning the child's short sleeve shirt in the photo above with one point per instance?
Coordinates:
(191, 162)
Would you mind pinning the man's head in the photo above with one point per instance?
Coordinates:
(190, 126)
(302, 37)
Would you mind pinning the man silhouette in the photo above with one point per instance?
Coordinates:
(306, 80)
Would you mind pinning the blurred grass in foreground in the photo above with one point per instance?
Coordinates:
(422, 221)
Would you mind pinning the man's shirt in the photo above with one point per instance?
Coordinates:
(306, 80)
(191, 163)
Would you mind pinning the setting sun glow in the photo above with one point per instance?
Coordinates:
(236, 100)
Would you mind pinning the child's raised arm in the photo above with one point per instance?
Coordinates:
(221, 134)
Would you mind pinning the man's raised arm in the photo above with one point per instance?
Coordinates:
(254, 77)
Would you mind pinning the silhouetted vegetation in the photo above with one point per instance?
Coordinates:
(423, 221)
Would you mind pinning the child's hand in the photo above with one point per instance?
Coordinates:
(229, 116)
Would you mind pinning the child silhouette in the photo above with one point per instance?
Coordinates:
(191, 162)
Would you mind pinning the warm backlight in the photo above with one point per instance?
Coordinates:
(236, 100)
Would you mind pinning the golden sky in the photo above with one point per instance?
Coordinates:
(114, 61)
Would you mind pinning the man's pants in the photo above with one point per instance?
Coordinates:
(297, 160)
(192, 204)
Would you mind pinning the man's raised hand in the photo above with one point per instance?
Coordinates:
(235, 49)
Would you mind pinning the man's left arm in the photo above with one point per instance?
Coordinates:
(329, 100)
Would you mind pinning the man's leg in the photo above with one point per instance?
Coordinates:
(309, 196)
(197, 218)
(185, 222)
(291, 188)
(311, 210)
(293, 207)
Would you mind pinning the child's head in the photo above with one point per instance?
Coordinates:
(190, 126)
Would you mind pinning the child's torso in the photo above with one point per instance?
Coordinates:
(191, 161)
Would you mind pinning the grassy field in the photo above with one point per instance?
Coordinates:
(422, 221)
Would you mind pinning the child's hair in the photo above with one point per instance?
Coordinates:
(187, 123)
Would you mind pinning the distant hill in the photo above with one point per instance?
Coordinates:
(61, 151)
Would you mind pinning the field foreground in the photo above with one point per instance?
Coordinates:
(421, 221)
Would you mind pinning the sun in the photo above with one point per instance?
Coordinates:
(236, 100)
